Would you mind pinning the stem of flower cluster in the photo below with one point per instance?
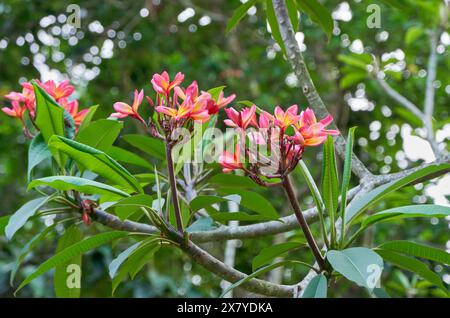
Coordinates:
(303, 224)
(173, 187)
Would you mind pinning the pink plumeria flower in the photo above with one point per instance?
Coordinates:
(214, 106)
(124, 110)
(162, 84)
(241, 119)
(230, 161)
(26, 97)
(310, 132)
(16, 110)
(285, 119)
(182, 112)
(197, 104)
(62, 90)
(72, 109)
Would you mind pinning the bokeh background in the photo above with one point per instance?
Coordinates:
(120, 44)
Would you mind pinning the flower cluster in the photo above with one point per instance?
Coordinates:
(175, 106)
(24, 101)
(285, 134)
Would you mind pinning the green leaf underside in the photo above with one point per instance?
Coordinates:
(357, 264)
(65, 183)
(317, 288)
(37, 152)
(21, 216)
(100, 134)
(318, 14)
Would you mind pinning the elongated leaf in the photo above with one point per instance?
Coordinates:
(203, 201)
(293, 14)
(351, 79)
(358, 264)
(88, 118)
(129, 206)
(268, 254)
(274, 28)
(409, 211)
(65, 183)
(64, 287)
(412, 265)
(37, 152)
(126, 156)
(141, 257)
(115, 264)
(100, 134)
(358, 205)
(317, 13)
(21, 216)
(346, 175)
(239, 13)
(330, 183)
(253, 201)
(317, 288)
(151, 146)
(96, 161)
(417, 250)
(28, 248)
(72, 251)
(49, 115)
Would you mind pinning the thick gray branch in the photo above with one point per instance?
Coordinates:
(295, 57)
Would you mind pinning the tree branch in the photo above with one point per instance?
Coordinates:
(295, 57)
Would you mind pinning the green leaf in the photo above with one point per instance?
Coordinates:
(358, 264)
(268, 254)
(318, 14)
(27, 248)
(215, 92)
(49, 115)
(274, 28)
(135, 261)
(238, 14)
(151, 146)
(330, 183)
(88, 118)
(126, 156)
(122, 257)
(72, 251)
(361, 203)
(21, 216)
(412, 265)
(3, 222)
(37, 152)
(63, 272)
(351, 79)
(203, 201)
(100, 134)
(317, 288)
(409, 211)
(360, 61)
(293, 14)
(65, 183)
(128, 206)
(253, 201)
(226, 180)
(413, 34)
(96, 161)
(417, 250)
(201, 225)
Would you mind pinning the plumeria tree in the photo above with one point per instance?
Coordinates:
(185, 205)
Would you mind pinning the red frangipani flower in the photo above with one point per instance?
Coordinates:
(241, 119)
(310, 132)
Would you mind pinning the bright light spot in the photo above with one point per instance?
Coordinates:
(343, 12)
(416, 148)
(185, 15)
(439, 190)
(291, 80)
(300, 37)
(96, 27)
(144, 12)
(204, 20)
(106, 51)
(445, 38)
(357, 46)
